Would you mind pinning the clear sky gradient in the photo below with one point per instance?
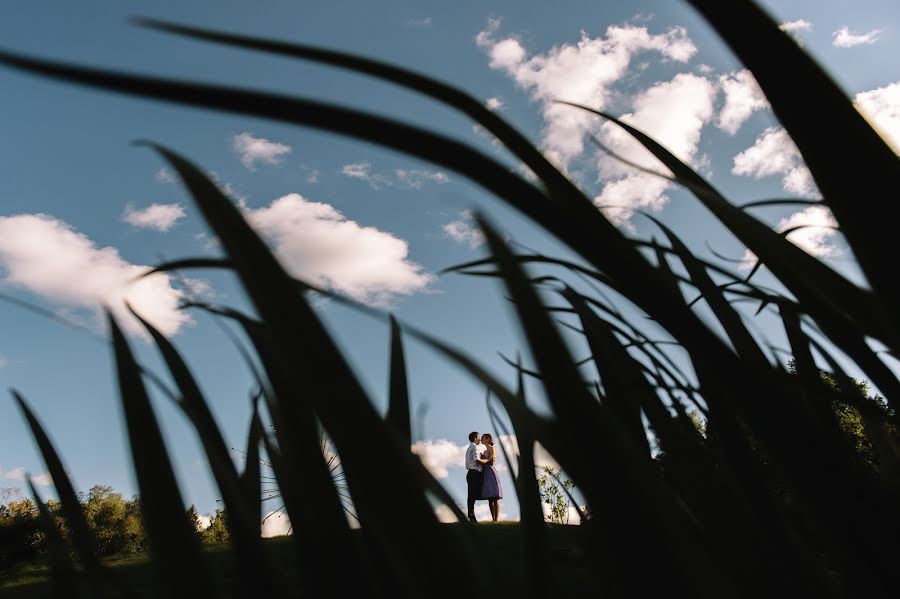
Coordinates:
(81, 210)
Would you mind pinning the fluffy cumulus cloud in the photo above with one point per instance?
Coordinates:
(583, 72)
(742, 98)
(774, 153)
(317, 243)
(813, 229)
(254, 150)
(798, 25)
(440, 455)
(882, 107)
(49, 258)
(464, 230)
(160, 217)
(844, 38)
(674, 113)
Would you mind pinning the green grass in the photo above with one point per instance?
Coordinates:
(499, 547)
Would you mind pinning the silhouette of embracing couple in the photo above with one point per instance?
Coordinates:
(482, 477)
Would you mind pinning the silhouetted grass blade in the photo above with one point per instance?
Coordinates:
(255, 574)
(825, 293)
(398, 396)
(83, 538)
(853, 173)
(62, 575)
(304, 351)
(174, 546)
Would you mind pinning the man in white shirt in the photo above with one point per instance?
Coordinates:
(474, 476)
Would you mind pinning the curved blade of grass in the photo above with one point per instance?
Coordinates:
(62, 575)
(254, 573)
(613, 456)
(825, 293)
(574, 221)
(743, 342)
(803, 97)
(250, 478)
(428, 86)
(83, 539)
(175, 548)
(303, 348)
(398, 395)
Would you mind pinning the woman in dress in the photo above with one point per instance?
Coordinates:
(491, 489)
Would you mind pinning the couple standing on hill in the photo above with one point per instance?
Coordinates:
(482, 478)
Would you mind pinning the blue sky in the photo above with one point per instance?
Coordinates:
(81, 209)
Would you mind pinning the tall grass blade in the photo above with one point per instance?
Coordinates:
(83, 539)
(62, 576)
(364, 442)
(398, 395)
(254, 573)
(175, 548)
(827, 295)
(854, 171)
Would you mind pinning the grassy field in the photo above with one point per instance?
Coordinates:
(500, 544)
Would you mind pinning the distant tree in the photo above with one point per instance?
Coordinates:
(20, 535)
(217, 531)
(115, 520)
(194, 520)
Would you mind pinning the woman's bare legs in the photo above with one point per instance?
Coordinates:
(494, 505)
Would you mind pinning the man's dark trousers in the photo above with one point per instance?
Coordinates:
(474, 479)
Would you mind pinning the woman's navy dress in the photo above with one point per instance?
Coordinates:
(490, 488)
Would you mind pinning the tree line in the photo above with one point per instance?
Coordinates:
(116, 522)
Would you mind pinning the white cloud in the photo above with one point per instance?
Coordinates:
(798, 25)
(49, 258)
(160, 217)
(253, 150)
(742, 97)
(3, 361)
(494, 103)
(357, 170)
(363, 171)
(818, 232)
(164, 175)
(881, 107)
(844, 38)
(816, 237)
(414, 178)
(774, 153)
(18, 475)
(205, 521)
(464, 230)
(42, 480)
(420, 22)
(317, 243)
(439, 455)
(583, 72)
(417, 178)
(673, 113)
(275, 525)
